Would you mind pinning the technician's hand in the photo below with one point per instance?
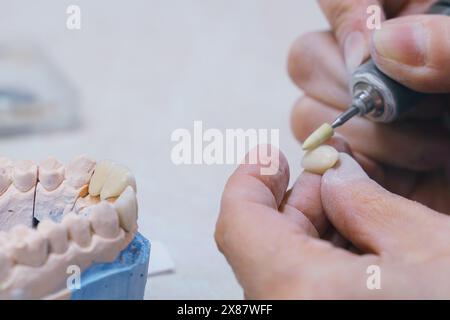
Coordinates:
(411, 157)
(271, 237)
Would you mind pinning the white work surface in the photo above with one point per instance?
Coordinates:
(145, 68)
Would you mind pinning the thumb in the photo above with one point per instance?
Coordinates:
(372, 218)
(414, 50)
(348, 19)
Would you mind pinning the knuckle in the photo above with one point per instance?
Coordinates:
(338, 11)
(301, 56)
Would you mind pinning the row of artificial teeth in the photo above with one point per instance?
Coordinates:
(50, 173)
(32, 247)
(77, 173)
(110, 179)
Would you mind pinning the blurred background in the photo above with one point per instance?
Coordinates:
(138, 70)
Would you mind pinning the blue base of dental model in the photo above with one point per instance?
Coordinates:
(122, 279)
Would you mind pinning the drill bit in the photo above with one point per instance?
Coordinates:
(326, 131)
(345, 116)
(322, 134)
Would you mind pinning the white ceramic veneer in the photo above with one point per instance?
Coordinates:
(119, 178)
(320, 159)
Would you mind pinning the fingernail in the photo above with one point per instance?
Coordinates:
(355, 50)
(347, 169)
(402, 42)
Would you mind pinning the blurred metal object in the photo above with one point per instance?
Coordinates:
(34, 96)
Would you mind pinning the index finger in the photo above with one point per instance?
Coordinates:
(349, 21)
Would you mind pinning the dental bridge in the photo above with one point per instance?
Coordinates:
(54, 216)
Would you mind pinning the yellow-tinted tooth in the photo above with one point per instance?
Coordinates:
(102, 170)
(322, 134)
(320, 159)
(118, 179)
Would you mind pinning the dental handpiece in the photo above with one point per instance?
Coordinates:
(378, 97)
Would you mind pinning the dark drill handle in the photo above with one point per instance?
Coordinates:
(441, 7)
(398, 99)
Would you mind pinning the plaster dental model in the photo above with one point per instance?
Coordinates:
(86, 215)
